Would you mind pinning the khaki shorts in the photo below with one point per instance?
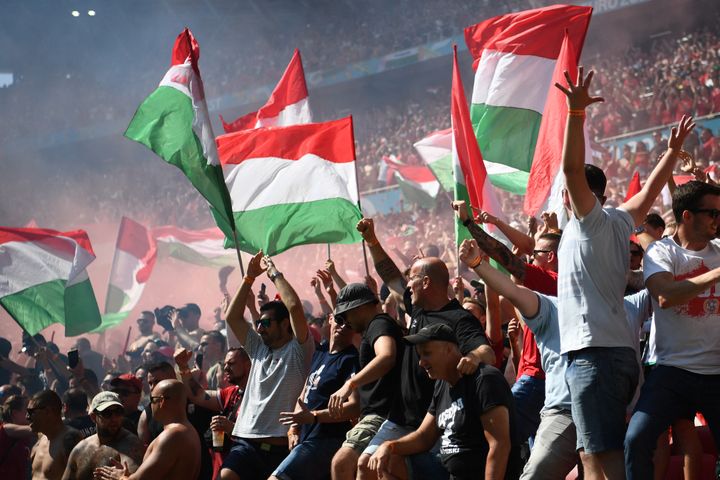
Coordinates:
(360, 435)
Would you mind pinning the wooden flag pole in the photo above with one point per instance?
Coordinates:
(237, 250)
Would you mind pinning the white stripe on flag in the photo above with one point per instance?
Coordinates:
(293, 114)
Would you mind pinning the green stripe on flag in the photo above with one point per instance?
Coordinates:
(110, 320)
(413, 193)
(514, 182)
(506, 135)
(442, 168)
(277, 228)
(116, 299)
(461, 231)
(40, 306)
(187, 254)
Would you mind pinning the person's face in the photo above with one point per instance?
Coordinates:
(157, 400)
(703, 222)
(153, 378)
(145, 324)
(19, 416)
(544, 253)
(129, 395)
(269, 329)
(342, 335)
(109, 421)
(38, 416)
(433, 356)
(210, 347)
(636, 256)
(477, 312)
(189, 320)
(234, 367)
(148, 352)
(417, 284)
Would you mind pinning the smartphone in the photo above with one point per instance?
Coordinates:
(73, 358)
(199, 360)
(262, 289)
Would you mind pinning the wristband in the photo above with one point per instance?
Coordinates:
(275, 275)
(478, 261)
(576, 113)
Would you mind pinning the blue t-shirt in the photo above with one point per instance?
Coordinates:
(328, 372)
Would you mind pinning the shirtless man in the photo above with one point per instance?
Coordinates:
(175, 454)
(56, 440)
(111, 442)
(145, 324)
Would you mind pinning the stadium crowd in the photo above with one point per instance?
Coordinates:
(569, 363)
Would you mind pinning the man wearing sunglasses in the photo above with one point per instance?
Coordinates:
(50, 454)
(110, 442)
(682, 274)
(281, 350)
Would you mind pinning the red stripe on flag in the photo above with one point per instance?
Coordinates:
(186, 46)
(136, 240)
(537, 32)
(187, 236)
(548, 149)
(60, 241)
(634, 187)
(417, 173)
(290, 89)
(245, 122)
(331, 141)
(468, 152)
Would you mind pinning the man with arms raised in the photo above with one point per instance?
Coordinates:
(602, 370)
(175, 454)
(50, 454)
(281, 350)
(111, 442)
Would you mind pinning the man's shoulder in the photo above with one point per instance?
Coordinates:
(70, 437)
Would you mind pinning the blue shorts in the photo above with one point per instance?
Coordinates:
(254, 461)
(309, 460)
(602, 383)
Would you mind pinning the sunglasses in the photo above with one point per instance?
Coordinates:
(265, 322)
(339, 320)
(535, 252)
(109, 413)
(713, 212)
(157, 399)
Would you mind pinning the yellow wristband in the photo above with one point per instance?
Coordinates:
(478, 261)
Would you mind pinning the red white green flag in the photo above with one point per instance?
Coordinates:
(135, 256)
(288, 103)
(43, 279)
(436, 151)
(292, 185)
(417, 182)
(514, 59)
(198, 247)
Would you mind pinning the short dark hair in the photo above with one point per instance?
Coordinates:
(12, 404)
(47, 399)
(5, 347)
(596, 179)
(689, 196)
(218, 337)
(551, 237)
(278, 309)
(241, 351)
(148, 312)
(164, 366)
(655, 220)
(76, 400)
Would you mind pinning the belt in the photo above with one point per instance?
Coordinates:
(267, 447)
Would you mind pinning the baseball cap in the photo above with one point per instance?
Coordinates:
(354, 295)
(104, 400)
(438, 331)
(127, 379)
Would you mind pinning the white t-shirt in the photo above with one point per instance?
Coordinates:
(274, 384)
(687, 336)
(593, 262)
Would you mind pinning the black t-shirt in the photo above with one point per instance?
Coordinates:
(377, 397)
(130, 421)
(83, 424)
(457, 410)
(415, 386)
(328, 372)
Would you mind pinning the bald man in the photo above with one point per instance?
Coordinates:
(175, 454)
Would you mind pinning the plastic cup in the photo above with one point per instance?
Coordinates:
(218, 440)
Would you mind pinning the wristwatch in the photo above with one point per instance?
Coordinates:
(274, 274)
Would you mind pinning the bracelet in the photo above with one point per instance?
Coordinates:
(478, 261)
(372, 244)
(576, 113)
(275, 275)
(249, 279)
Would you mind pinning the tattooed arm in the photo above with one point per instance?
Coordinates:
(385, 267)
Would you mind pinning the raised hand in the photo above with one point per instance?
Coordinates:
(458, 285)
(315, 284)
(330, 266)
(326, 279)
(679, 133)
(461, 210)
(486, 217)
(469, 252)
(366, 227)
(182, 358)
(578, 94)
(255, 265)
(513, 329)
(372, 284)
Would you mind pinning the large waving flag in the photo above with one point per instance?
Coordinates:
(288, 104)
(173, 122)
(135, 256)
(198, 247)
(436, 151)
(471, 178)
(43, 279)
(292, 185)
(514, 59)
(417, 182)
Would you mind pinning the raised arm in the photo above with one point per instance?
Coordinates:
(639, 204)
(524, 299)
(493, 329)
(582, 198)
(494, 248)
(384, 266)
(290, 298)
(324, 305)
(234, 317)
(330, 267)
(524, 243)
(670, 292)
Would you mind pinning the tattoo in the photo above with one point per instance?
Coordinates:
(498, 252)
(387, 270)
(194, 386)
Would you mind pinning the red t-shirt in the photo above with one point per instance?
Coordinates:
(545, 282)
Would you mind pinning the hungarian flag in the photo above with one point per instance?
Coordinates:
(417, 182)
(198, 247)
(514, 59)
(173, 122)
(135, 255)
(436, 151)
(44, 280)
(292, 185)
(471, 178)
(288, 104)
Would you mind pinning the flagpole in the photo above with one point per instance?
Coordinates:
(237, 250)
(328, 250)
(357, 188)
